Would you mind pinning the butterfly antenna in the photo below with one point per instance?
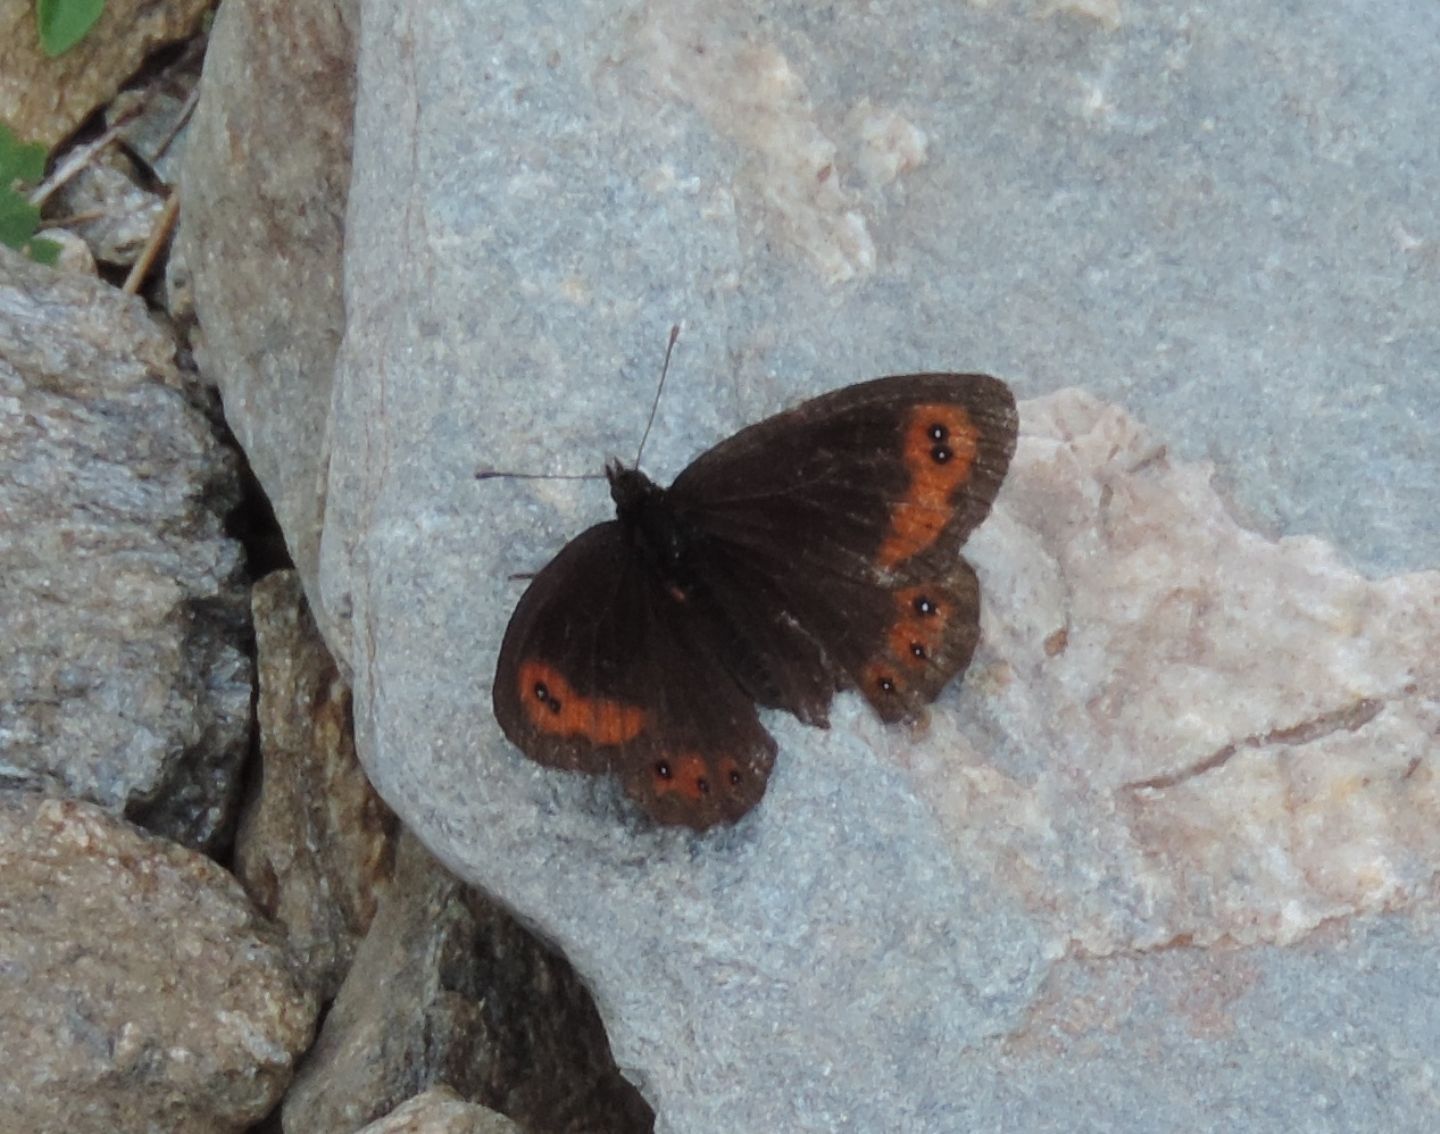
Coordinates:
(497, 474)
(659, 389)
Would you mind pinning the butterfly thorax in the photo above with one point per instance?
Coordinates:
(652, 525)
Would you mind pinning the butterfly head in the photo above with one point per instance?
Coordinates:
(632, 491)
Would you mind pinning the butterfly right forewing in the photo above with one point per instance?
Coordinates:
(856, 504)
(848, 479)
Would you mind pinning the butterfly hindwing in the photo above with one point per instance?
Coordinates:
(598, 672)
(928, 632)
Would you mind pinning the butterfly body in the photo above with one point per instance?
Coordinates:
(815, 551)
(652, 526)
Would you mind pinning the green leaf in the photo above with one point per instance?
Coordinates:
(43, 251)
(18, 219)
(63, 23)
(19, 161)
(22, 161)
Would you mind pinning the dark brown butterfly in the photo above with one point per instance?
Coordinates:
(815, 551)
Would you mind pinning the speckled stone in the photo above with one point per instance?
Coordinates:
(316, 843)
(1160, 861)
(140, 989)
(440, 1110)
(126, 677)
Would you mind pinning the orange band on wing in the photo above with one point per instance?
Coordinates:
(939, 446)
(553, 706)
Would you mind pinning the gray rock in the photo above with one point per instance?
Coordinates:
(156, 133)
(125, 679)
(1209, 217)
(74, 256)
(139, 989)
(447, 988)
(117, 215)
(261, 231)
(316, 842)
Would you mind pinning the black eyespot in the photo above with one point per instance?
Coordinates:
(938, 432)
(662, 770)
(703, 785)
(542, 692)
(917, 649)
(734, 778)
(940, 454)
(923, 605)
(886, 685)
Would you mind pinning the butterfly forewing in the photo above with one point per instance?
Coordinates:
(878, 477)
(855, 505)
(561, 691)
(599, 671)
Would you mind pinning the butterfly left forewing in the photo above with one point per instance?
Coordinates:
(602, 670)
(563, 693)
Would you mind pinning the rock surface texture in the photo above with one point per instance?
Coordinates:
(441, 1111)
(1167, 856)
(139, 989)
(316, 843)
(262, 231)
(126, 678)
(446, 988)
(43, 99)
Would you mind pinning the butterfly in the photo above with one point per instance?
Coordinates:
(813, 552)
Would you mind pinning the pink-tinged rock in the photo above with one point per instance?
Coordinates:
(1227, 737)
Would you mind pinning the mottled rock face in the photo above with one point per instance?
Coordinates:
(1241, 730)
(126, 678)
(441, 1111)
(1162, 861)
(317, 842)
(44, 99)
(124, 214)
(139, 988)
(447, 988)
(267, 283)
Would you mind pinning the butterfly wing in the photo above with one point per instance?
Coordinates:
(600, 671)
(831, 536)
